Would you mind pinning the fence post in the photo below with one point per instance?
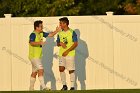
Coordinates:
(111, 82)
(8, 46)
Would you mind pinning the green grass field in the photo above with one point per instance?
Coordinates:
(81, 91)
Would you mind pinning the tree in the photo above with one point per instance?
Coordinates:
(63, 7)
(68, 7)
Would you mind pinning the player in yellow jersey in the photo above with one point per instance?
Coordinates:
(67, 41)
(35, 53)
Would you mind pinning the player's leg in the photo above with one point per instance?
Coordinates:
(41, 78)
(33, 76)
(40, 72)
(32, 80)
(72, 78)
(70, 65)
(62, 72)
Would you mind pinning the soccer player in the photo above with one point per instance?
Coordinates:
(35, 53)
(67, 41)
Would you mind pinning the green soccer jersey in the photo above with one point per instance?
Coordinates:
(36, 51)
(67, 37)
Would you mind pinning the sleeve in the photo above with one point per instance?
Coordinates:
(45, 34)
(74, 37)
(32, 37)
(58, 39)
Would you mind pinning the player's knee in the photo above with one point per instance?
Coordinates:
(61, 69)
(34, 74)
(71, 71)
(40, 72)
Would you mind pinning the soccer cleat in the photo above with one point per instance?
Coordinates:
(46, 89)
(64, 87)
(72, 88)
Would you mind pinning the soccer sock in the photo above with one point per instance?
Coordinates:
(32, 82)
(63, 77)
(41, 79)
(72, 79)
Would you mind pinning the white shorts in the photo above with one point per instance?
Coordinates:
(36, 64)
(68, 62)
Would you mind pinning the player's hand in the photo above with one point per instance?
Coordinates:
(65, 53)
(42, 43)
(58, 29)
(63, 45)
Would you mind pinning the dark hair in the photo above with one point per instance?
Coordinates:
(65, 20)
(36, 23)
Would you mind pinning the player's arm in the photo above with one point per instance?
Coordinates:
(32, 40)
(70, 49)
(36, 43)
(51, 34)
(60, 43)
(73, 46)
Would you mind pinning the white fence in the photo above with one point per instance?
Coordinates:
(108, 55)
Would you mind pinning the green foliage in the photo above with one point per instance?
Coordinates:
(64, 7)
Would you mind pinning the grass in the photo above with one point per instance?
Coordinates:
(81, 91)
